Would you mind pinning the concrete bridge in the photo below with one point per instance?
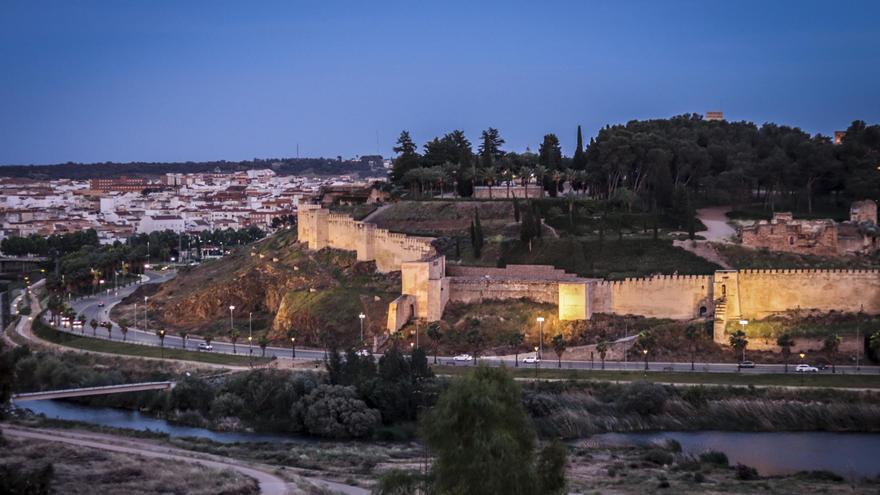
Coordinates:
(82, 392)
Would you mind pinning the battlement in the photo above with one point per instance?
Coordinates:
(810, 271)
(659, 279)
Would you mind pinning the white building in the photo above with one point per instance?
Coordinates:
(153, 223)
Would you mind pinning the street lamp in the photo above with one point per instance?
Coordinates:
(742, 325)
(361, 317)
(540, 349)
(231, 309)
(146, 321)
(293, 348)
(536, 363)
(250, 332)
(645, 353)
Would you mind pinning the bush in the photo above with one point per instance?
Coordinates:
(644, 398)
(820, 475)
(334, 411)
(714, 457)
(657, 456)
(699, 477)
(16, 479)
(746, 473)
(227, 405)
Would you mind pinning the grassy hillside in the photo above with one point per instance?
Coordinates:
(282, 285)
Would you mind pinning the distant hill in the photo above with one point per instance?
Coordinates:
(282, 166)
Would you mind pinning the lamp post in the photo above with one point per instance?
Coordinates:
(135, 315)
(162, 342)
(293, 348)
(146, 322)
(540, 349)
(361, 317)
(536, 363)
(645, 353)
(231, 309)
(742, 326)
(251, 335)
(802, 355)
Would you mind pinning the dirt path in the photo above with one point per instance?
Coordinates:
(715, 220)
(269, 483)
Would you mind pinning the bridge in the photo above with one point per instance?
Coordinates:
(18, 264)
(82, 392)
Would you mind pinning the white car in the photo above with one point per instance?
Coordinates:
(363, 353)
(100, 304)
(205, 347)
(531, 360)
(806, 368)
(463, 358)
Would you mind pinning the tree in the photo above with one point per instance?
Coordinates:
(7, 373)
(94, 324)
(516, 340)
(109, 327)
(407, 159)
(693, 334)
(645, 342)
(874, 344)
(579, 160)
(481, 437)
(831, 345)
(435, 335)
(785, 342)
(474, 338)
(233, 337)
(550, 157)
(516, 210)
(552, 462)
(739, 341)
(490, 146)
(558, 343)
(477, 239)
(335, 411)
(530, 227)
(602, 349)
(183, 335)
(263, 343)
(123, 329)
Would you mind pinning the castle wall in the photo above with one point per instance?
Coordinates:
(319, 229)
(476, 290)
(664, 296)
(764, 292)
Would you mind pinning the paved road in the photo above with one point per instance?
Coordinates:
(269, 483)
(91, 307)
(715, 220)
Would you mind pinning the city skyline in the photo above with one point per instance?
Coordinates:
(100, 81)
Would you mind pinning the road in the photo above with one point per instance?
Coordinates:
(98, 307)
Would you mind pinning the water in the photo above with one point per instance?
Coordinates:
(851, 455)
(134, 420)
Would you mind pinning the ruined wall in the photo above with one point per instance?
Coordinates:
(664, 296)
(760, 293)
(319, 229)
(475, 290)
(816, 237)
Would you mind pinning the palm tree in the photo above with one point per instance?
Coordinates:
(832, 344)
(540, 171)
(516, 340)
(645, 342)
(233, 337)
(558, 342)
(109, 327)
(433, 332)
(94, 325)
(263, 343)
(602, 349)
(82, 324)
(786, 342)
(183, 336)
(693, 334)
(739, 341)
(124, 331)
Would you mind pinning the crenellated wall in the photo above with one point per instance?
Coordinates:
(319, 228)
(662, 296)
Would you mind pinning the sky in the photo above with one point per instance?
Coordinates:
(126, 80)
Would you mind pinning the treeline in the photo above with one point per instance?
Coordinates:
(657, 164)
(282, 166)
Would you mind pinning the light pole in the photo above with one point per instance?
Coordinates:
(293, 348)
(135, 315)
(162, 342)
(645, 353)
(361, 317)
(742, 325)
(251, 335)
(540, 349)
(536, 363)
(231, 309)
(802, 372)
(146, 322)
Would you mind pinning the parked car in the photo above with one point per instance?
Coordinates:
(463, 357)
(806, 368)
(363, 353)
(747, 364)
(531, 360)
(205, 347)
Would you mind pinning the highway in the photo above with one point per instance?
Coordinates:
(92, 307)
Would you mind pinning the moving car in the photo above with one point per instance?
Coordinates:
(747, 364)
(531, 360)
(205, 347)
(806, 368)
(463, 357)
(100, 304)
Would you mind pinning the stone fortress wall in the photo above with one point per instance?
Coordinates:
(428, 284)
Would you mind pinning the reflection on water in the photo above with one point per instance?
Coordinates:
(852, 455)
(134, 420)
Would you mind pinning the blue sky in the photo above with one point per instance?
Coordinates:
(128, 80)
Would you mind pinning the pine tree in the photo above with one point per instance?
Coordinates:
(579, 160)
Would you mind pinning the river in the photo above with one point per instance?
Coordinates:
(851, 455)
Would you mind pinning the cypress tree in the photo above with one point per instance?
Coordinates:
(579, 160)
(478, 234)
(516, 210)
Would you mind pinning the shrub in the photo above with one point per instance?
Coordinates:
(334, 411)
(714, 457)
(227, 405)
(672, 445)
(644, 398)
(820, 475)
(18, 479)
(699, 477)
(746, 473)
(658, 456)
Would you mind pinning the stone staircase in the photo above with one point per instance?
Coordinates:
(720, 321)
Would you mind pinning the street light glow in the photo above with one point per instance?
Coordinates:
(231, 308)
(362, 316)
